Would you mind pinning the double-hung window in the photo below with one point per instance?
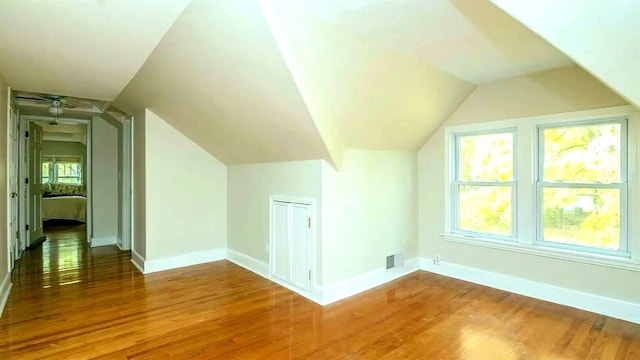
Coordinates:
(484, 186)
(62, 169)
(562, 186)
(582, 186)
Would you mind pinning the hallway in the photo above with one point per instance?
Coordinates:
(65, 258)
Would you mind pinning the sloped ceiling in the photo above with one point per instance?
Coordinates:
(603, 37)
(470, 39)
(89, 49)
(379, 98)
(219, 78)
(273, 80)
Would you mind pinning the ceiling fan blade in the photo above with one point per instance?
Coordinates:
(34, 98)
(71, 103)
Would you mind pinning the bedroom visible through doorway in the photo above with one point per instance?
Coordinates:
(74, 177)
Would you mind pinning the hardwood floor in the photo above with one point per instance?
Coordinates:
(72, 302)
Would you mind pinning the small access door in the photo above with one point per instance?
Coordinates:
(35, 183)
(291, 243)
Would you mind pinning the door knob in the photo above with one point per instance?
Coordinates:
(14, 194)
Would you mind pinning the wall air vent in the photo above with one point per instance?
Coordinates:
(395, 261)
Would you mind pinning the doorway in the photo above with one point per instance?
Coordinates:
(291, 250)
(55, 167)
(34, 123)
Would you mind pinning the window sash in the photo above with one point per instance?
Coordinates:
(456, 183)
(624, 240)
(622, 186)
(624, 143)
(456, 209)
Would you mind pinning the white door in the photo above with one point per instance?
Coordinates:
(16, 247)
(35, 183)
(291, 243)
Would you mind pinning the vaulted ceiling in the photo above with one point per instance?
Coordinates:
(89, 49)
(273, 80)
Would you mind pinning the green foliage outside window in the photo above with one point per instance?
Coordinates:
(582, 215)
(586, 155)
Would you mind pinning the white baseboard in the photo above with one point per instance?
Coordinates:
(352, 286)
(585, 301)
(103, 241)
(331, 293)
(5, 289)
(261, 268)
(137, 260)
(173, 262)
(254, 265)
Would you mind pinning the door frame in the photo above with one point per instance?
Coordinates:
(13, 254)
(24, 126)
(126, 182)
(311, 294)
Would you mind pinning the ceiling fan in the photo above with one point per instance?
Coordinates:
(57, 104)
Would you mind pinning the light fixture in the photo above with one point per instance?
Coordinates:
(56, 108)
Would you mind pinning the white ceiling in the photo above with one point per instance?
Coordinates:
(379, 98)
(471, 39)
(219, 78)
(88, 49)
(272, 80)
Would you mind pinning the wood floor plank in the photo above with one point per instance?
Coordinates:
(70, 301)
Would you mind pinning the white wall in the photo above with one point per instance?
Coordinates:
(185, 193)
(370, 212)
(601, 36)
(139, 185)
(248, 197)
(557, 91)
(104, 177)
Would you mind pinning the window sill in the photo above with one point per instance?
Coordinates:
(570, 255)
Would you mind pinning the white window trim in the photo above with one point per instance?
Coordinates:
(53, 171)
(526, 162)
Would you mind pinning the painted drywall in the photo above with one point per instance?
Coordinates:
(67, 148)
(369, 212)
(250, 187)
(601, 36)
(256, 114)
(4, 102)
(376, 97)
(104, 177)
(139, 184)
(112, 39)
(557, 91)
(186, 193)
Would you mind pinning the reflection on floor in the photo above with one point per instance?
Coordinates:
(64, 258)
(92, 303)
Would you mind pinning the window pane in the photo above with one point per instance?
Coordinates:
(66, 169)
(487, 157)
(582, 216)
(485, 209)
(582, 154)
(69, 180)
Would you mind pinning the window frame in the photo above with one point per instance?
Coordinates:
(53, 168)
(622, 186)
(526, 176)
(456, 183)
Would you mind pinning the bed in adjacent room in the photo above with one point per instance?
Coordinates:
(64, 202)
